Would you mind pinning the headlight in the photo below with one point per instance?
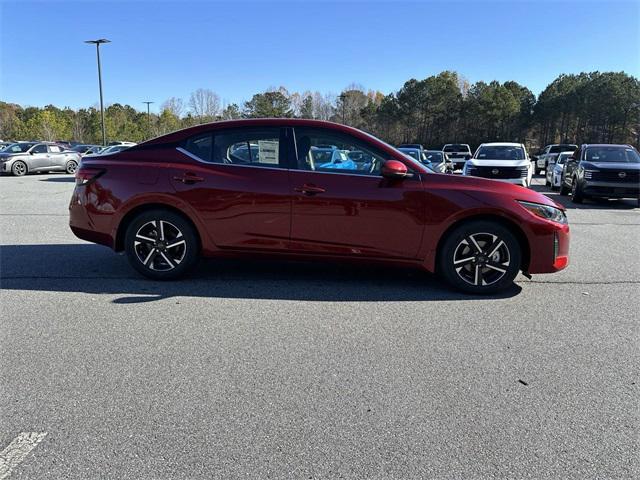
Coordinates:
(545, 211)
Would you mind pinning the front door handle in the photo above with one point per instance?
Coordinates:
(189, 178)
(309, 189)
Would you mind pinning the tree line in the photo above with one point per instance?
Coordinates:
(444, 108)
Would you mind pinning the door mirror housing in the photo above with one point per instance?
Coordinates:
(394, 169)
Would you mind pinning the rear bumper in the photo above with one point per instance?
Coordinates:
(84, 225)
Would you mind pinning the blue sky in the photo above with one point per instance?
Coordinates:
(162, 49)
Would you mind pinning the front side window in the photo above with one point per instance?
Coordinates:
(323, 150)
(257, 147)
(39, 149)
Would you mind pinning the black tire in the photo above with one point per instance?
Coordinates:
(546, 181)
(19, 168)
(71, 166)
(576, 192)
(153, 256)
(564, 190)
(462, 275)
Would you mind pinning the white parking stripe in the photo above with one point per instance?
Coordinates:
(16, 451)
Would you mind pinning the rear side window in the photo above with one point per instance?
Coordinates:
(55, 149)
(256, 147)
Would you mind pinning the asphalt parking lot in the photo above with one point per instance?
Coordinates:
(265, 370)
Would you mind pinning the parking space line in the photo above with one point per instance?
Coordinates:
(15, 453)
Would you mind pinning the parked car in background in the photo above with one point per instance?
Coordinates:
(117, 142)
(3, 145)
(553, 172)
(22, 158)
(113, 149)
(199, 200)
(87, 149)
(551, 152)
(602, 170)
(417, 146)
(438, 161)
(507, 162)
(459, 153)
(413, 152)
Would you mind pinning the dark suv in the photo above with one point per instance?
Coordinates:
(602, 170)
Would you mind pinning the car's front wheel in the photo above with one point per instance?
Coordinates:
(71, 166)
(161, 245)
(480, 257)
(564, 190)
(576, 192)
(19, 168)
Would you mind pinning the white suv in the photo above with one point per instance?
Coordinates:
(508, 162)
(551, 152)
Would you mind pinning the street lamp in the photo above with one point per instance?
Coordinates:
(97, 44)
(148, 119)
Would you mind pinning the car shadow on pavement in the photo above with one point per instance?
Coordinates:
(94, 269)
(591, 203)
(70, 179)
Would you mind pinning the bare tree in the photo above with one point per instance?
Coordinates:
(323, 105)
(174, 105)
(204, 103)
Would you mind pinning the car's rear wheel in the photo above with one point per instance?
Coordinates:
(19, 168)
(161, 245)
(480, 257)
(71, 166)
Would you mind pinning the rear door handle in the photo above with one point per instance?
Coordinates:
(189, 178)
(309, 189)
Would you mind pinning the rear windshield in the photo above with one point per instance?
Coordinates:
(563, 148)
(457, 148)
(612, 154)
(500, 152)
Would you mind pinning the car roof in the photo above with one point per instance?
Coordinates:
(501, 144)
(620, 145)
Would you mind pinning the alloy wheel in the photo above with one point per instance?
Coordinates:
(481, 259)
(160, 245)
(19, 169)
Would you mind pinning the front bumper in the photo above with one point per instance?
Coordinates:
(610, 189)
(550, 251)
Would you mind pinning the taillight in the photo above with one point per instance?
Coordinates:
(87, 175)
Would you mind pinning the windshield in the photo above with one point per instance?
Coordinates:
(81, 148)
(415, 154)
(457, 148)
(612, 154)
(562, 148)
(562, 158)
(500, 152)
(18, 147)
(435, 157)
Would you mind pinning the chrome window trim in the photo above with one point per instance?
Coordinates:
(195, 157)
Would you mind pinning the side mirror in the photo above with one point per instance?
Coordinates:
(394, 169)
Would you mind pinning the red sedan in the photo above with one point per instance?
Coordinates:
(310, 189)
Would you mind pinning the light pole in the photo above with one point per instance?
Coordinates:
(148, 119)
(97, 44)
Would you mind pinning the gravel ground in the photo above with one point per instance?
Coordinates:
(297, 370)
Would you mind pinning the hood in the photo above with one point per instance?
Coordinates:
(487, 162)
(611, 165)
(476, 187)
(6, 155)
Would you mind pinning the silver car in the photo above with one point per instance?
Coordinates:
(27, 157)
